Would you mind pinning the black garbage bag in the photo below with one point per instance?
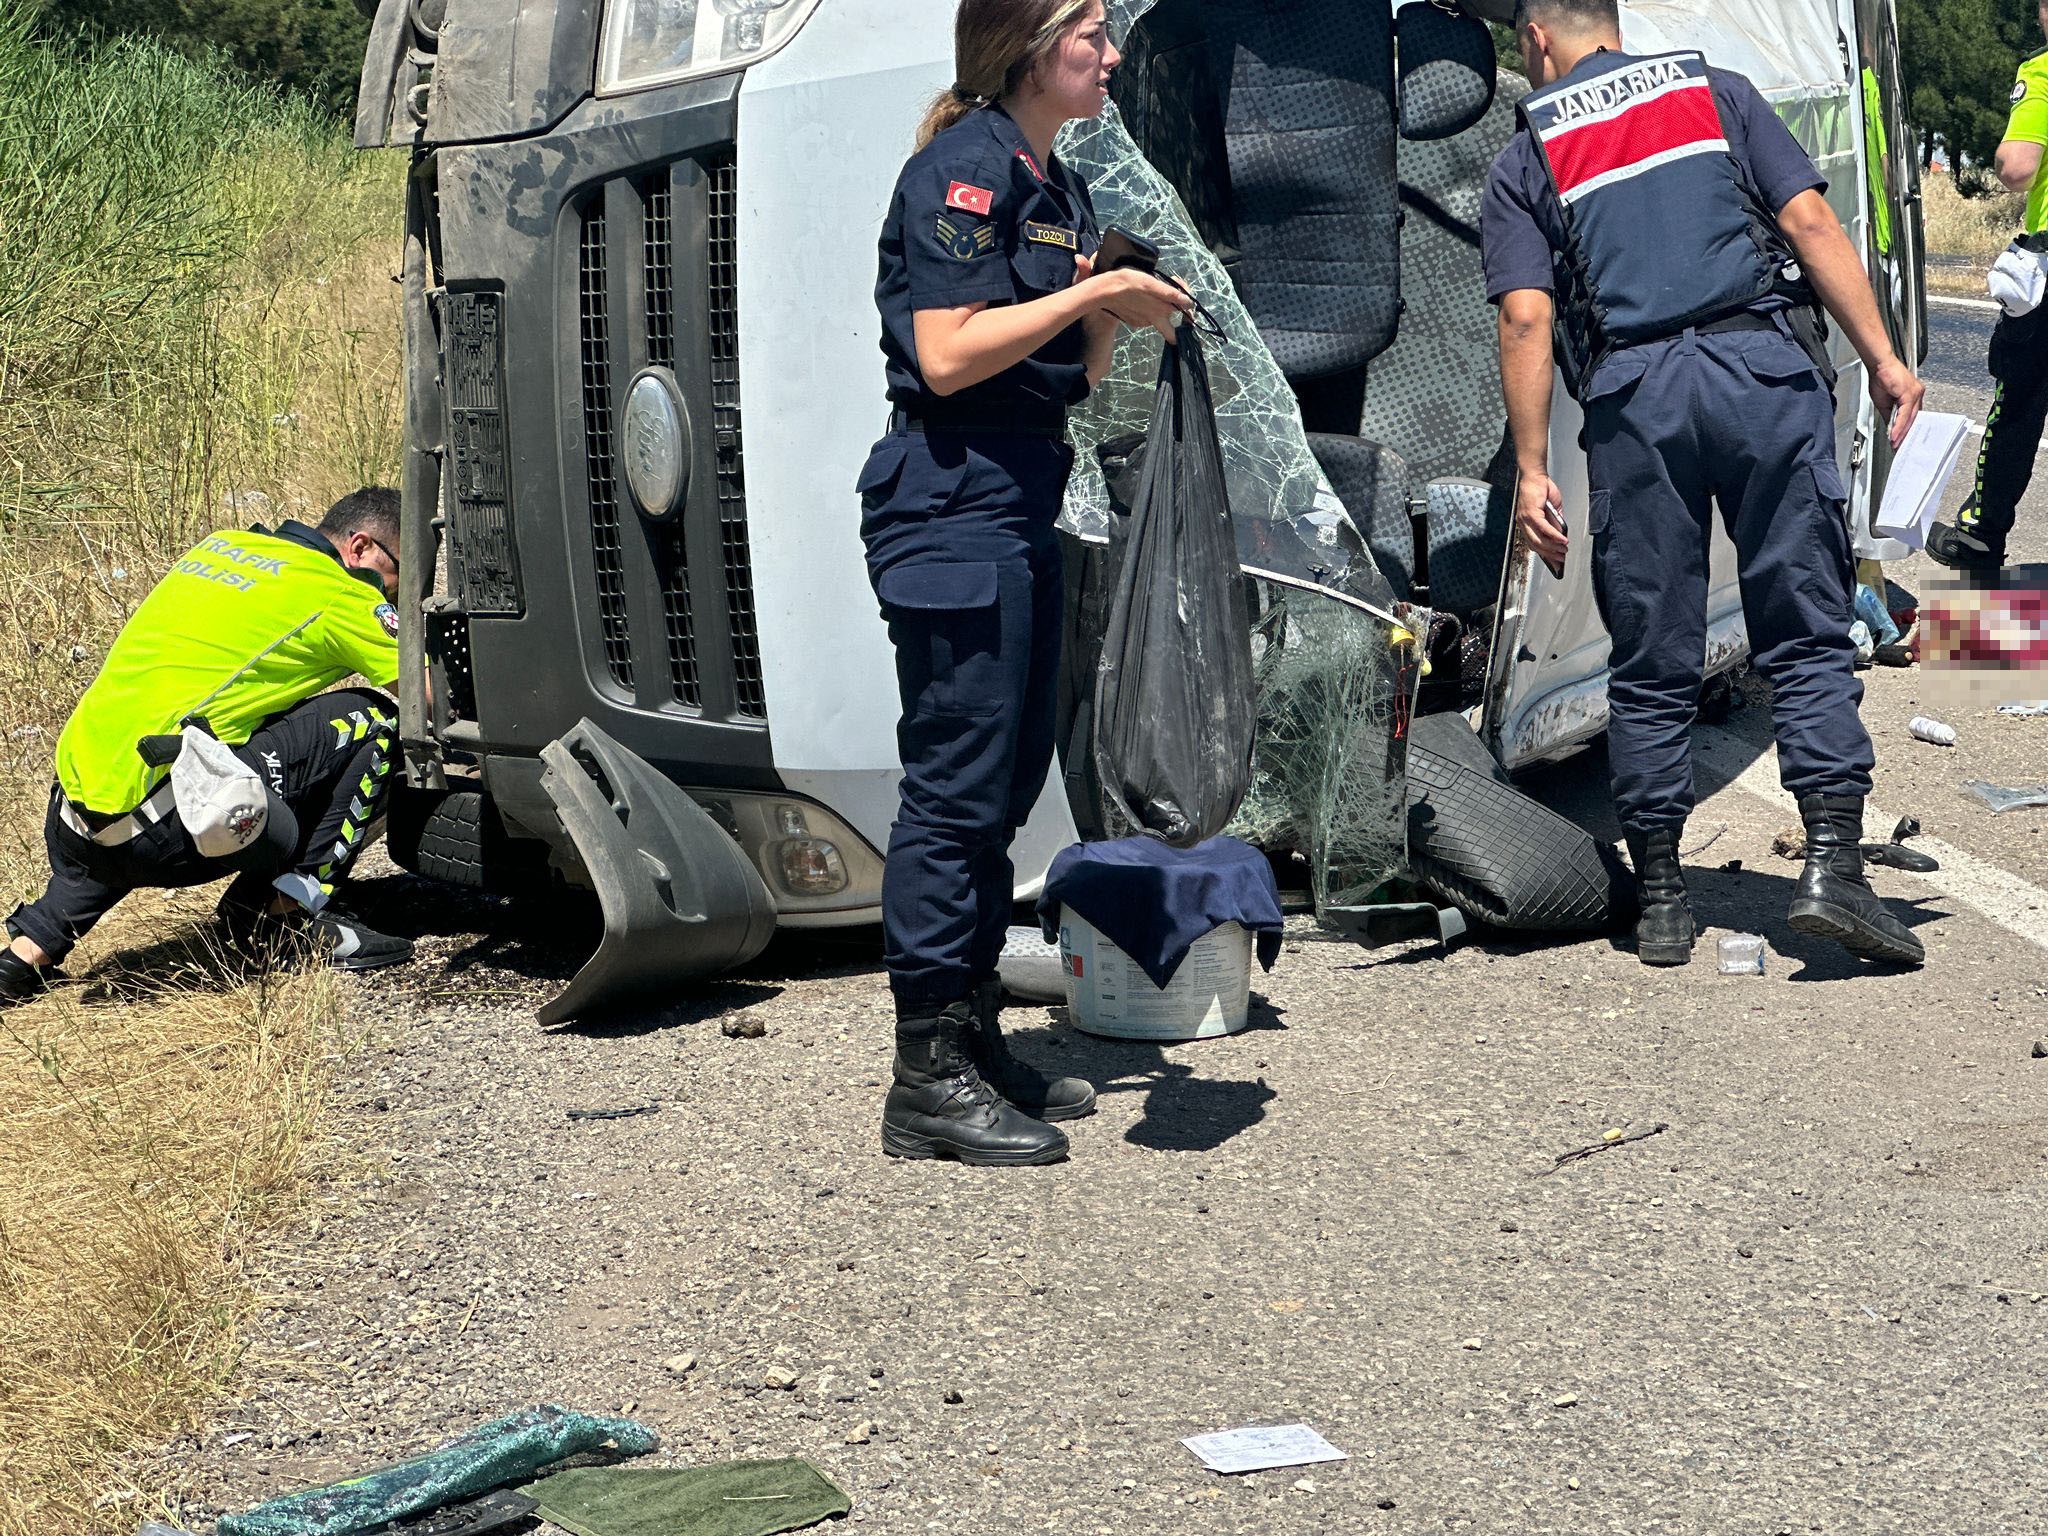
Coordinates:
(1501, 858)
(1174, 707)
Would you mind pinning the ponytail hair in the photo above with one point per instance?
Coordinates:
(995, 45)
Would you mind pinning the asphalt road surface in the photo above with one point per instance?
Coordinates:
(1814, 1303)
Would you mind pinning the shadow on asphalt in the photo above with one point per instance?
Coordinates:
(1184, 1111)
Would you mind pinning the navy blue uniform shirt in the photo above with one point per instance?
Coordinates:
(976, 220)
(1521, 223)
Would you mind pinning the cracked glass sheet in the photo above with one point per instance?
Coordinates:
(1329, 766)
(1289, 522)
(1329, 769)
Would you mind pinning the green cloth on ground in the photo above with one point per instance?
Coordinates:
(727, 1498)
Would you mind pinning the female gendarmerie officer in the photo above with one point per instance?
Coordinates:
(994, 323)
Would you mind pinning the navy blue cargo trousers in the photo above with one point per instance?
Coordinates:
(963, 555)
(1743, 419)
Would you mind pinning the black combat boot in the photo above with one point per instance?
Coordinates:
(1664, 931)
(1044, 1098)
(940, 1105)
(1833, 899)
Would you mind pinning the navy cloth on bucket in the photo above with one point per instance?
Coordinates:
(1153, 901)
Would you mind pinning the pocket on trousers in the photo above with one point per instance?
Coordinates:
(1827, 479)
(945, 620)
(883, 469)
(1779, 360)
(1599, 508)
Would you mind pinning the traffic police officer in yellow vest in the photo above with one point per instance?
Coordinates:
(1662, 215)
(2019, 346)
(208, 746)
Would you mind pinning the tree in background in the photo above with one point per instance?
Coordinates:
(1958, 57)
(311, 46)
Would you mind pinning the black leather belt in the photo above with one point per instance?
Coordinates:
(1011, 422)
(1748, 320)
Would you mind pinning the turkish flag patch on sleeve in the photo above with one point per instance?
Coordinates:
(970, 199)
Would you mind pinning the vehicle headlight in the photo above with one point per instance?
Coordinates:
(658, 42)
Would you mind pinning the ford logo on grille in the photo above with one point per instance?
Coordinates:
(656, 438)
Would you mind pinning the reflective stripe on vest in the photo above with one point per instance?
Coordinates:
(1663, 234)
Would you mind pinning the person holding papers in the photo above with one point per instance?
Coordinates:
(2019, 347)
(1659, 216)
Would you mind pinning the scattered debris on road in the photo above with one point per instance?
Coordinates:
(742, 1026)
(727, 1498)
(1742, 954)
(1263, 1448)
(1936, 733)
(623, 1112)
(518, 1445)
(2002, 799)
(1614, 1138)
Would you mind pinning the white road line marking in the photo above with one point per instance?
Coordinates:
(2015, 904)
(1959, 303)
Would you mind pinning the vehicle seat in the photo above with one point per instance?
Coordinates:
(1373, 483)
(1307, 89)
(1468, 524)
(1447, 68)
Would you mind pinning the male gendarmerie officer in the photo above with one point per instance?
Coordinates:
(1658, 211)
(243, 634)
(2019, 350)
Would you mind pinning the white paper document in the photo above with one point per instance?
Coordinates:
(1920, 473)
(1261, 1449)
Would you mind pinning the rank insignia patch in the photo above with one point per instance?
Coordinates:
(1051, 234)
(966, 244)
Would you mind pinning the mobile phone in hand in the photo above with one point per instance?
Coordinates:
(1556, 513)
(1120, 248)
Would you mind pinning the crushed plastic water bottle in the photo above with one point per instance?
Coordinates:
(1742, 954)
(1866, 648)
(1934, 732)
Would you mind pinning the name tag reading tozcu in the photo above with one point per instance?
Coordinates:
(1051, 234)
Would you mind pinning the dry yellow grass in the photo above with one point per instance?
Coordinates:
(156, 1117)
(153, 1114)
(1969, 232)
(157, 1111)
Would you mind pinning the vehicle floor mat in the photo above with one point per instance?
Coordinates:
(1498, 856)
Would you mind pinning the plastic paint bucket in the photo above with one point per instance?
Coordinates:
(1109, 994)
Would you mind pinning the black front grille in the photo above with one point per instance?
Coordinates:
(483, 559)
(671, 553)
(658, 288)
(594, 313)
(657, 269)
(750, 698)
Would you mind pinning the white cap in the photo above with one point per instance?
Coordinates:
(219, 797)
(2018, 280)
